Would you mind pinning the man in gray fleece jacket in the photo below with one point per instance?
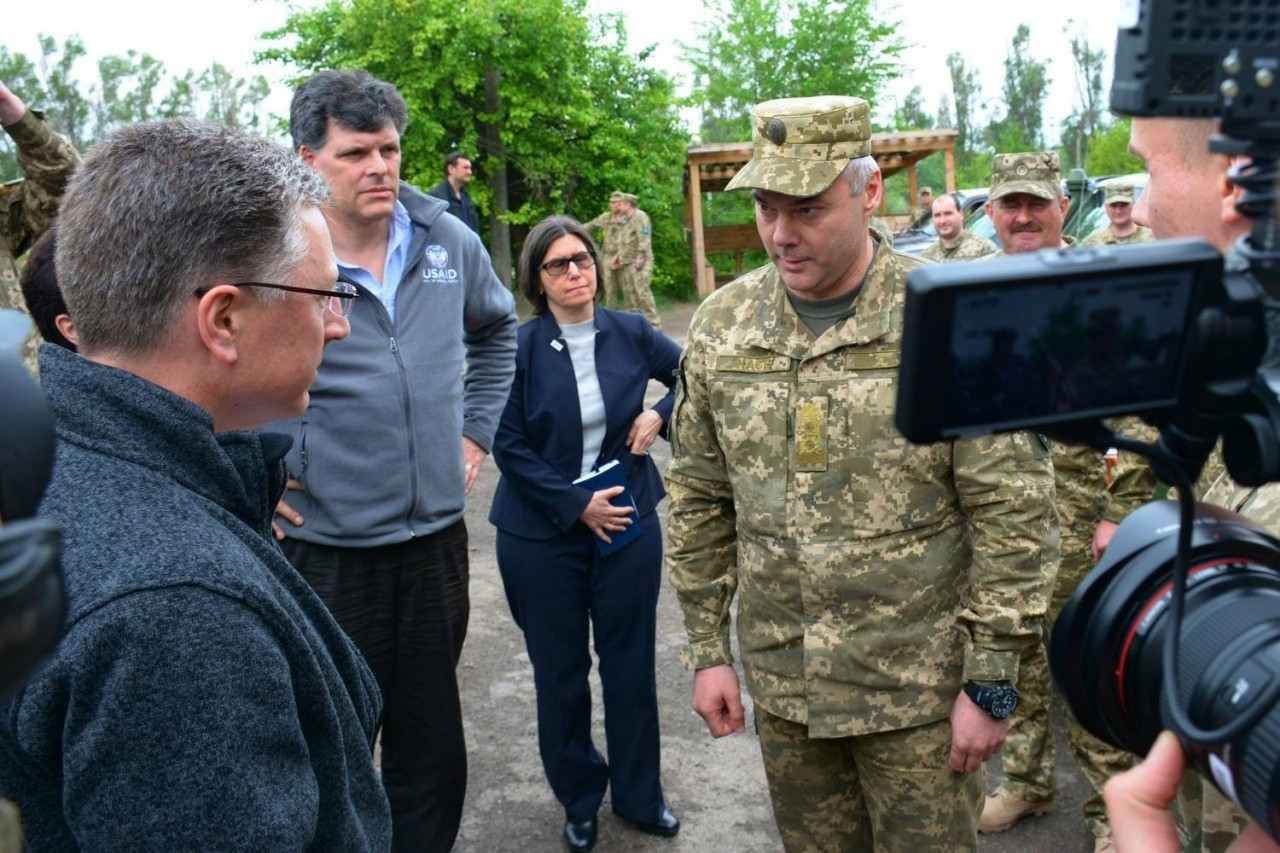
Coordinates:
(202, 697)
(401, 418)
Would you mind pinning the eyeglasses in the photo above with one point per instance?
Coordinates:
(341, 298)
(560, 266)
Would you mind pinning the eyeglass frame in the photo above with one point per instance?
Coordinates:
(572, 259)
(345, 292)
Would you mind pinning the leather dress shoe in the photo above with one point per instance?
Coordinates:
(666, 826)
(580, 835)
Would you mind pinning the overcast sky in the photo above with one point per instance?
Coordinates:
(189, 34)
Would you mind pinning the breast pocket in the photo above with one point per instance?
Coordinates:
(750, 401)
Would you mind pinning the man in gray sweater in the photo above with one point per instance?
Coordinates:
(401, 418)
(202, 697)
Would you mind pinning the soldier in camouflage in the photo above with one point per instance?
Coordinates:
(1028, 209)
(28, 205)
(954, 243)
(1118, 203)
(629, 255)
(878, 581)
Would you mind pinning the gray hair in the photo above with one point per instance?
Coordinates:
(354, 99)
(160, 209)
(858, 174)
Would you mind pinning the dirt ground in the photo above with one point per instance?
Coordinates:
(716, 786)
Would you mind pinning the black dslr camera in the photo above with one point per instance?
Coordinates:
(32, 603)
(1059, 341)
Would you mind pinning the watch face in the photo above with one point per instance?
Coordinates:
(1003, 702)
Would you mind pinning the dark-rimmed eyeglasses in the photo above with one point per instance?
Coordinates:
(341, 298)
(560, 266)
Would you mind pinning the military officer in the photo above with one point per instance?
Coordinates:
(1118, 203)
(28, 205)
(628, 255)
(954, 243)
(886, 589)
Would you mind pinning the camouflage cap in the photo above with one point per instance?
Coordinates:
(801, 145)
(1119, 194)
(617, 195)
(1033, 172)
(630, 197)
(926, 191)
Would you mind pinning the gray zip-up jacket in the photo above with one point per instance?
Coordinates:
(379, 449)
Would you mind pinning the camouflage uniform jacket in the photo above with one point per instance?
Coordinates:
(28, 206)
(627, 238)
(1104, 237)
(873, 575)
(969, 246)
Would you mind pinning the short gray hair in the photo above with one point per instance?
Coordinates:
(160, 209)
(858, 174)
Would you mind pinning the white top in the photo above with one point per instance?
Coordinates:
(581, 338)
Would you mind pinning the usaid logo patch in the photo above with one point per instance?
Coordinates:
(437, 267)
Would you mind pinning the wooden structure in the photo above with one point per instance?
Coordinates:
(709, 168)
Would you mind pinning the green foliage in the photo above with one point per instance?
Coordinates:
(756, 50)
(130, 87)
(1079, 129)
(910, 114)
(1109, 153)
(554, 111)
(1026, 81)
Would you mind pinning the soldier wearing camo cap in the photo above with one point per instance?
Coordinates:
(1028, 209)
(878, 580)
(1118, 203)
(628, 256)
(27, 206)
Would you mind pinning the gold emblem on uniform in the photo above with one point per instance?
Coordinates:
(811, 435)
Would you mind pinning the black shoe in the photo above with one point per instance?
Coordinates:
(580, 835)
(667, 824)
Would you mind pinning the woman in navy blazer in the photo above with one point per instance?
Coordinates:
(577, 402)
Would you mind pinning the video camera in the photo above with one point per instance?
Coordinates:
(32, 602)
(1060, 341)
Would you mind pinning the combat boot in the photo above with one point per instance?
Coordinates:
(1004, 808)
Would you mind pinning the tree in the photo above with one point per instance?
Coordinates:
(129, 87)
(1088, 117)
(553, 108)
(968, 100)
(756, 50)
(1026, 80)
(910, 114)
(1109, 153)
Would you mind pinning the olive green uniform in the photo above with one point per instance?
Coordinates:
(873, 576)
(28, 206)
(968, 247)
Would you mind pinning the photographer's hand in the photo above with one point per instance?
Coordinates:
(12, 109)
(1102, 538)
(287, 512)
(1138, 802)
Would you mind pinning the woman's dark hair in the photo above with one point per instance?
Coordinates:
(535, 249)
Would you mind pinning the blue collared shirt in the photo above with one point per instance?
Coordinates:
(393, 270)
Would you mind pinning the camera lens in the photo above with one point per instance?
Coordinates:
(1107, 649)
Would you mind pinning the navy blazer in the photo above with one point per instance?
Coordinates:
(538, 447)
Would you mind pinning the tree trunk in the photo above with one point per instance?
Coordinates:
(499, 231)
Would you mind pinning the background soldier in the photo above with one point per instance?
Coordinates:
(1028, 209)
(886, 589)
(921, 213)
(27, 206)
(628, 256)
(1121, 228)
(954, 243)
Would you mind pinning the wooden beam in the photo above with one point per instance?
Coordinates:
(699, 242)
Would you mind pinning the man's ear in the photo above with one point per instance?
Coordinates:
(308, 156)
(1230, 192)
(220, 322)
(875, 192)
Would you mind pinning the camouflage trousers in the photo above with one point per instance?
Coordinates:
(1028, 758)
(1207, 821)
(635, 293)
(891, 792)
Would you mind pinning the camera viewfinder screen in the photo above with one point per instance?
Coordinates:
(1091, 348)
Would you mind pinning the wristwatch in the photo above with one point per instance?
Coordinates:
(998, 700)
